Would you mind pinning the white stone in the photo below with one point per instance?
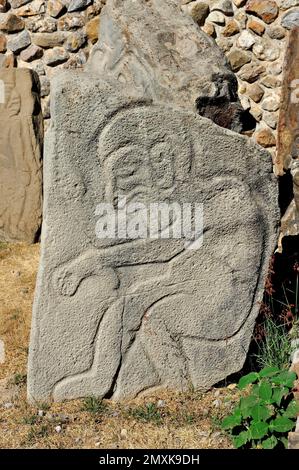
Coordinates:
(216, 17)
(271, 103)
(271, 119)
(246, 40)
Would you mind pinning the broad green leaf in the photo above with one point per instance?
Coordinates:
(285, 378)
(231, 421)
(265, 391)
(246, 405)
(284, 441)
(260, 412)
(247, 380)
(268, 371)
(241, 439)
(292, 410)
(255, 390)
(278, 394)
(270, 443)
(282, 424)
(258, 429)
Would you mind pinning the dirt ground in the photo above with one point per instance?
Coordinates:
(166, 420)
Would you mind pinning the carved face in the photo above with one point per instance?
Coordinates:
(141, 160)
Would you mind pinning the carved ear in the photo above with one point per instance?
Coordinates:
(14, 104)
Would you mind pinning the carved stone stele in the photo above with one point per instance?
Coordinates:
(119, 316)
(21, 134)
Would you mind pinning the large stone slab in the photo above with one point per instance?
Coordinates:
(21, 135)
(160, 53)
(117, 317)
(120, 316)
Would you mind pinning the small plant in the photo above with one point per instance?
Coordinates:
(149, 412)
(19, 379)
(276, 348)
(94, 405)
(32, 419)
(265, 415)
(37, 433)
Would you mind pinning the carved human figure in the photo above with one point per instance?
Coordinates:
(20, 157)
(144, 165)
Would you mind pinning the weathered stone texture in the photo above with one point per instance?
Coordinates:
(172, 59)
(20, 156)
(116, 318)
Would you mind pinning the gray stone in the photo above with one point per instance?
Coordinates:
(18, 3)
(44, 86)
(276, 32)
(55, 56)
(225, 6)
(266, 50)
(290, 19)
(76, 5)
(31, 53)
(19, 42)
(120, 316)
(173, 59)
(271, 103)
(151, 315)
(2, 351)
(217, 17)
(20, 156)
(286, 4)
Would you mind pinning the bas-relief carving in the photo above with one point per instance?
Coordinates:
(138, 165)
(20, 158)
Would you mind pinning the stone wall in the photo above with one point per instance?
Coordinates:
(253, 35)
(47, 35)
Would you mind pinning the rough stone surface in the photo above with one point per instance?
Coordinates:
(19, 42)
(231, 29)
(3, 43)
(256, 26)
(152, 318)
(246, 40)
(31, 53)
(92, 29)
(291, 19)
(20, 156)
(287, 157)
(48, 40)
(3, 6)
(267, 10)
(78, 5)
(55, 8)
(18, 3)
(251, 72)
(168, 43)
(56, 56)
(266, 138)
(238, 58)
(11, 23)
(256, 92)
(199, 13)
(2, 352)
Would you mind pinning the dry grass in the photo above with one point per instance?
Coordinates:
(166, 420)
